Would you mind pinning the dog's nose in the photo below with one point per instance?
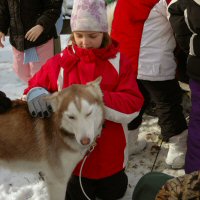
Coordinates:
(85, 141)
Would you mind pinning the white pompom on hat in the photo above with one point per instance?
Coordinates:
(89, 15)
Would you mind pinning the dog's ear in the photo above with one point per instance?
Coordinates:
(53, 100)
(94, 87)
(96, 82)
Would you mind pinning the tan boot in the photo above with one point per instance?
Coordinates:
(177, 149)
(136, 143)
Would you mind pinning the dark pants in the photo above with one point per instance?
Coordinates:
(167, 96)
(110, 188)
(135, 123)
(192, 162)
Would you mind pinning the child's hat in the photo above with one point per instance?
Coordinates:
(89, 15)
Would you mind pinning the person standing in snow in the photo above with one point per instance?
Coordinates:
(185, 20)
(31, 26)
(91, 53)
(146, 37)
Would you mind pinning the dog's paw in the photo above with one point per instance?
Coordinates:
(5, 102)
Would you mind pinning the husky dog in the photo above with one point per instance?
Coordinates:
(52, 145)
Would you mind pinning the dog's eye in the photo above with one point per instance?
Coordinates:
(88, 114)
(71, 117)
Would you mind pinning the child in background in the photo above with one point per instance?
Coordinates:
(93, 54)
(31, 26)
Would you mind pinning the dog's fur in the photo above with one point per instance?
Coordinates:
(52, 145)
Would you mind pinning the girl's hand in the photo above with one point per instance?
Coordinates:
(2, 38)
(33, 34)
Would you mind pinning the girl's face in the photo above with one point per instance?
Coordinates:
(88, 40)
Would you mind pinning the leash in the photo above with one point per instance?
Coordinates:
(92, 146)
(157, 155)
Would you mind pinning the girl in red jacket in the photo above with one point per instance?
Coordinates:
(91, 54)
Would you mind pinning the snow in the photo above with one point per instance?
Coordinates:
(26, 186)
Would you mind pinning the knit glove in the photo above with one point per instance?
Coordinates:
(37, 104)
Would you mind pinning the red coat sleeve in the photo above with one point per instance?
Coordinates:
(128, 24)
(124, 103)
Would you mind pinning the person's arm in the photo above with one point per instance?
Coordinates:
(2, 39)
(124, 103)
(40, 85)
(52, 11)
(179, 26)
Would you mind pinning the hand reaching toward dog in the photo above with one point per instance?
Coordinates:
(37, 105)
(2, 38)
(33, 34)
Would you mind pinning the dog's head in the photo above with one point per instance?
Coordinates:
(80, 110)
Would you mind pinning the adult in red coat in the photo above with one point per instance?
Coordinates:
(146, 37)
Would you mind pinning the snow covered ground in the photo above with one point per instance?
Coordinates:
(25, 186)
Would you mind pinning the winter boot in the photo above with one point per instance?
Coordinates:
(136, 142)
(177, 149)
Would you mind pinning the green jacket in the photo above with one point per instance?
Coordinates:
(149, 185)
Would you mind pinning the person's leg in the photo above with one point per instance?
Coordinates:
(44, 52)
(135, 123)
(135, 143)
(168, 97)
(74, 191)
(192, 162)
(22, 70)
(113, 187)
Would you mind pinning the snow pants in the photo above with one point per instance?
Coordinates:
(109, 188)
(192, 162)
(167, 96)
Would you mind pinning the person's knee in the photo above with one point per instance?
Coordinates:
(75, 192)
(113, 187)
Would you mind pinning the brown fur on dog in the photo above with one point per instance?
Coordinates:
(56, 144)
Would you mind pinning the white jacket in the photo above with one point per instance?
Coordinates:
(156, 58)
(147, 37)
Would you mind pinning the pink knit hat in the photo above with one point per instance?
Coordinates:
(89, 15)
